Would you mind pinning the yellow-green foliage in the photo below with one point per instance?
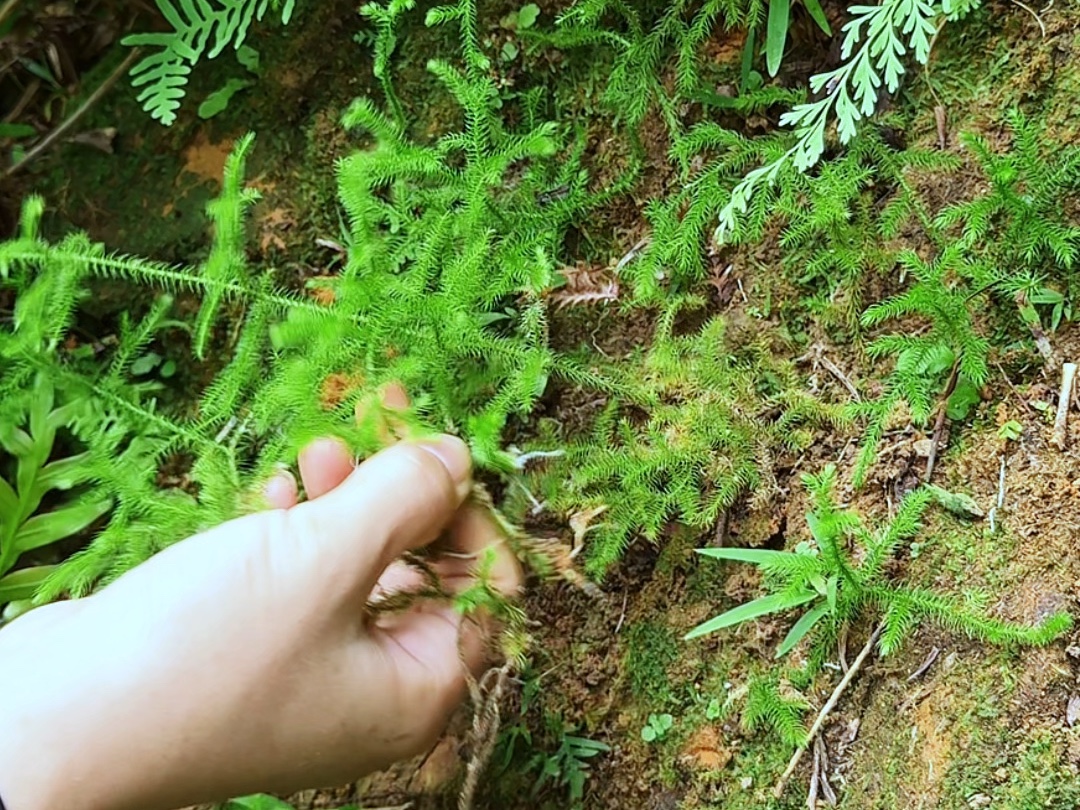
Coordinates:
(442, 292)
(695, 434)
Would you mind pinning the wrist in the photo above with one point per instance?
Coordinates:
(57, 715)
(30, 761)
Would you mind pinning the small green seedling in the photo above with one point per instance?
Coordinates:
(522, 19)
(218, 101)
(152, 361)
(714, 710)
(1011, 431)
(568, 766)
(657, 728)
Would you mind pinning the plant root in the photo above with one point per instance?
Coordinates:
(487, 716)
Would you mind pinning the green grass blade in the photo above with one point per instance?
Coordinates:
(23, 584)
(747, 62)
(776, 34)
(814, 7)
(757, 556)
(41, 530)
(803, 626)
(772, 603)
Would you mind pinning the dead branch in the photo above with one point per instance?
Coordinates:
(925, 666)
(939, 424)
(823, 715)
(71, 120)
(1061, 426)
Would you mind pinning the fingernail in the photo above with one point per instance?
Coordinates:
(394, 397)
(455, 457)
(280, 490)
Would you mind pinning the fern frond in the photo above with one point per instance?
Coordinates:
(198, 27)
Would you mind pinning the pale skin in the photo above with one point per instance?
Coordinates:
(243, 659)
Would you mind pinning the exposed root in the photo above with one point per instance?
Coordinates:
(487, 716)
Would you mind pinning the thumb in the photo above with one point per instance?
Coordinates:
(399, 499)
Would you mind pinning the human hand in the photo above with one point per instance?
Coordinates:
(244, 659)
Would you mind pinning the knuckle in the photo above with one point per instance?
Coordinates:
(421, 474)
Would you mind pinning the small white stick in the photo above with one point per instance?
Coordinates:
(1068, 376)
(522, 460)
(1000, 496)
(823, 715)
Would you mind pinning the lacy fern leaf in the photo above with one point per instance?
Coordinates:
(876, 39)
(199, 27)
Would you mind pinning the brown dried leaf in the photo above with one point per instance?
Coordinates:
(561, 559)
(271, 225)
(586, 285)
(338, 387)
(581, 521)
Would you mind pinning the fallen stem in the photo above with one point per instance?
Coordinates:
(72, 119)
(1061, 421)
(939, 425)
(823, 715)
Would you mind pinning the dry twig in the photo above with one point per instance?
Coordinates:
(939, 425)
(622, 615)
(925, 666)
(71, 120)
(1061, 421)
(817, 356)
(992, 514)
(942, 131)
(841, 649)
(826, 710)
(632, 254)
